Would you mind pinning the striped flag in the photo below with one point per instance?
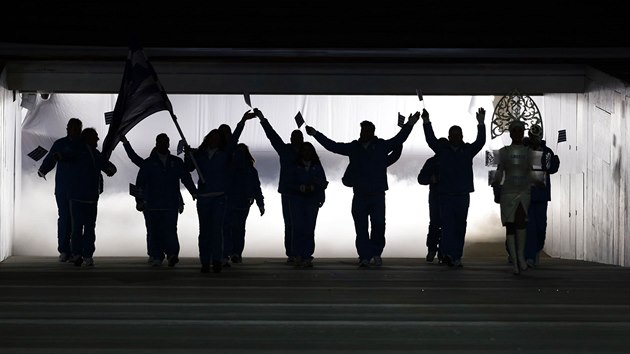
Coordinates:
(108, 117)
(562, 135)
(141, 94)
(38, 153)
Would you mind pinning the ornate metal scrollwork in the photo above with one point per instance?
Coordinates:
(514, 106)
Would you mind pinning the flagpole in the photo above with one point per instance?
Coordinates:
(192, 156)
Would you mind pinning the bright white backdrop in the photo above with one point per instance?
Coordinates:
(121, 230)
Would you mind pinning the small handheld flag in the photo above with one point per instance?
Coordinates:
(562, 135)
(180, 146)
(419, 93)
(38, 153)
(248, 101)
(401, 120)
(108, 117)
(299, 119)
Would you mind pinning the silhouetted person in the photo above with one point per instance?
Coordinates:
(430, 176)
(137, 160)
(64, 146)
(87, 185)
(159, 180)
(308, 183)
(213, 161)
(287, 154)
(369, 159)
(348, 176)
(243, 190)
(540, 197)
(456, 183)
(514, 175)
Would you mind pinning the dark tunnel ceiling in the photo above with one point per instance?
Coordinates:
(591, 28)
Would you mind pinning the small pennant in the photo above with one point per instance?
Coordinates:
(38, 153)
(299, 119)
(562, 135)
(419, 93)
(248, 101)
(108, 117)
(401, 120)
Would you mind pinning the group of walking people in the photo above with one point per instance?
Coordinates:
(228, 185)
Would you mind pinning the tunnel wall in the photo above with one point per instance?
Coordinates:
(588, 214)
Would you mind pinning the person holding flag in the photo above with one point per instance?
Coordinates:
(65, 146)
(159, 180)
(288, 154)
(213, 162)
(369, 159)
(86, 186)
(456, 183)
(540, 197)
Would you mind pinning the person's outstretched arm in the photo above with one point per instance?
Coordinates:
(404, 132)
(429, 135)
(332, 146)
(274, 138)
(50, 160)
(478, 144)
(239, 128)
(135, 158)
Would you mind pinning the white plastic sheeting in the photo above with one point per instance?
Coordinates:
(121, 230)
(9, 137)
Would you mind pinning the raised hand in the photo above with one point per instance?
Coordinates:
(310, 130)
(249, 115)
(259, 113)
(425, 116)
(413, 119)
(481, 115)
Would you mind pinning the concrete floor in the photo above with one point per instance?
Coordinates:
(263, 306)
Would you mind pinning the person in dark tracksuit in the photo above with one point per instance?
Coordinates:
(159, 180)
(287, 154)
(369, 159)
(137, 160)
(213, 162)
(540, 197)
(308, 183)
(243, 190)
(429, 176)
(87, 185)
(63, 146)
(456, 184)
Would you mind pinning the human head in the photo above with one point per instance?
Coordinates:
(73, 128)
(367, 131)
(297, 138)
(243, 149)
(90, 137)
(162, 143)
(212, 140)
(455, 135)
(535, 135)
(443, 141)
(226, 134)
(307, 152)
(517, 131)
